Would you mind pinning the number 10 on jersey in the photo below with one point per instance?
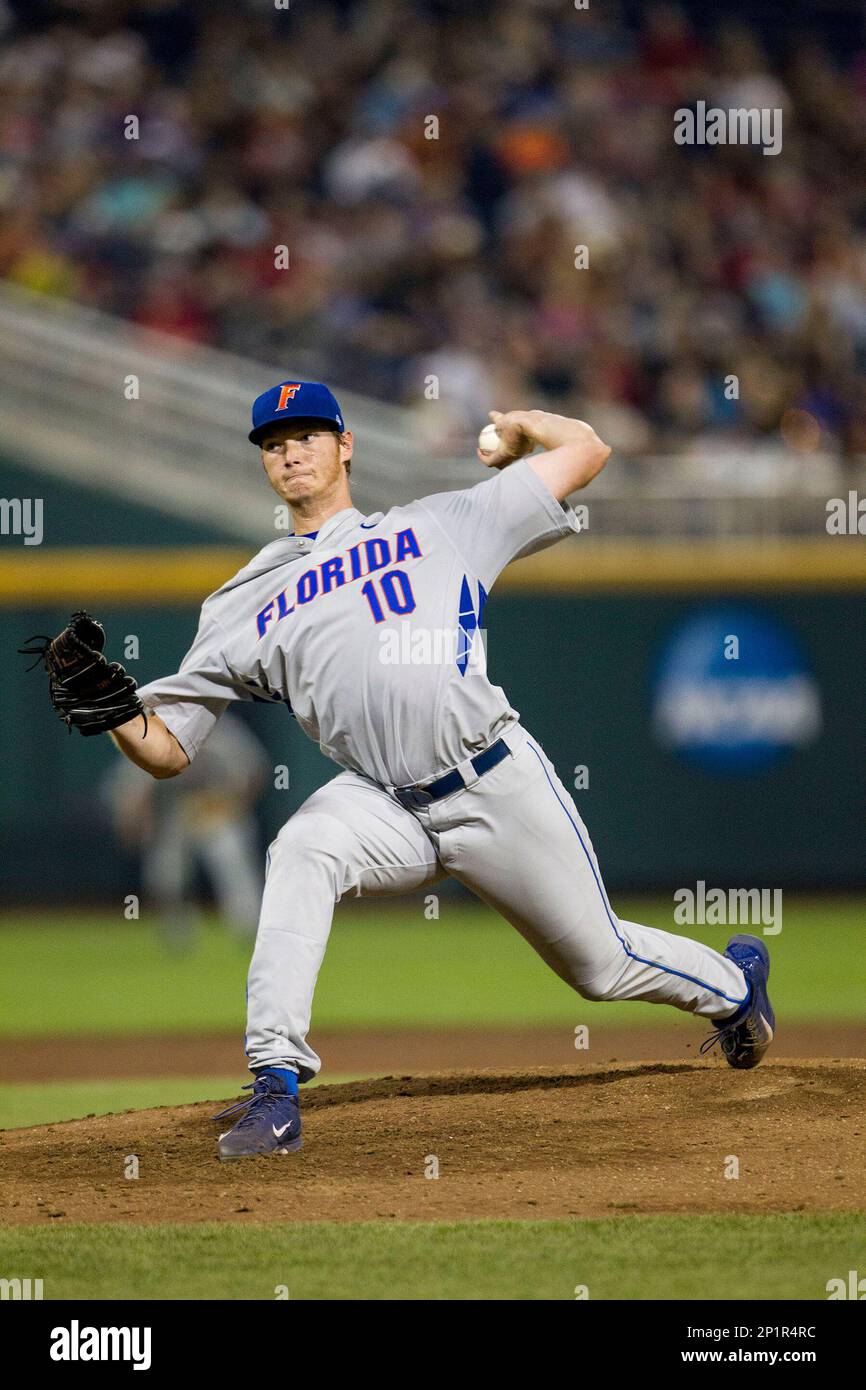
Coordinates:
(396, 590)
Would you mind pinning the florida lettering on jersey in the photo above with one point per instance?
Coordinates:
(358, 562)
(417, 570)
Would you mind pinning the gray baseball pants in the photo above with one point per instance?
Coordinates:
(514, 837)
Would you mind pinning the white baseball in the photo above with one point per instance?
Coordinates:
(488, 439)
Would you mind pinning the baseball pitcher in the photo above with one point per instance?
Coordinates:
(368, 629)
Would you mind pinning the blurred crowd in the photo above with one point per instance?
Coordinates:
(431, 167)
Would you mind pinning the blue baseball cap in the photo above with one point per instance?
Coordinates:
(307, 400)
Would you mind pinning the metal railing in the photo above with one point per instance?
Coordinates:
(180, 443)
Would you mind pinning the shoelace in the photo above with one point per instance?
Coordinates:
(262, 1096)
(748, 1036)
(39, 651)
(718, 1035)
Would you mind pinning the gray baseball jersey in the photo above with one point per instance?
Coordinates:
(370, 630)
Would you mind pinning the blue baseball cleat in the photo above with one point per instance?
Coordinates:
(272, 1122)
(747, 1034)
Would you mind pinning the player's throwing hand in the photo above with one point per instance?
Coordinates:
(507, 438)
(572, 452)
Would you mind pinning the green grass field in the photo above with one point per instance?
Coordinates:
(644, 1257)
(44, 1102)
(392, 968)
(82, 975)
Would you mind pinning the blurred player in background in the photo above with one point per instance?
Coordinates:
(202, 821)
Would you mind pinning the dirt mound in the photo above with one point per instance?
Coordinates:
(646, 1138)
(372, 1052)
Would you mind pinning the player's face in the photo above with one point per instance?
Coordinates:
(305, 461)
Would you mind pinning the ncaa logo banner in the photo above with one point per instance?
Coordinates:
(733, 693)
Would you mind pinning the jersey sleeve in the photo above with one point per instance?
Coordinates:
(191, 702)
(509, 515)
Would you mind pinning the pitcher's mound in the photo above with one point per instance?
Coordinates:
(656, 1137)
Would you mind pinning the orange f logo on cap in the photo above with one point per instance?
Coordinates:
(287, 393)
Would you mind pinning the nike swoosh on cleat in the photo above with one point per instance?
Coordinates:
(767, 1026)
(278, 1133)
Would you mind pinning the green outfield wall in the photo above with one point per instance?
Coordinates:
(687, 759)
(586, 673)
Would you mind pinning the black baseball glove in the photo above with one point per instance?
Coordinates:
(89, 693)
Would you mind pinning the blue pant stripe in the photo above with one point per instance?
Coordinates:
(669, 970)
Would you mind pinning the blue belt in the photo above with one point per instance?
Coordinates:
(412, 797)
